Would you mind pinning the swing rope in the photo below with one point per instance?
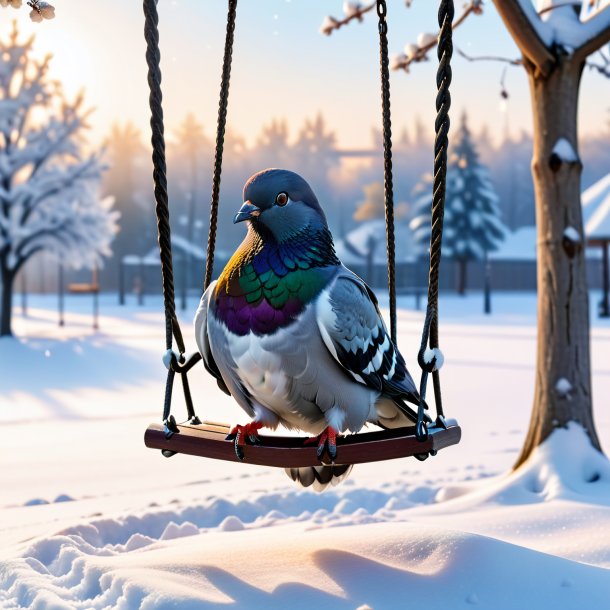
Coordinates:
(220, 141)
(179, 364)
(172, 327)
(382, 11)
(443, 103)
(153, 60)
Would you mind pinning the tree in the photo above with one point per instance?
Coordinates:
(48, 188)
(272, 145)
(472, 217)
(372, 208)
(555, 44)
(124, 146)
(191, 146)
(373, 204)
(315, 148)
(509, 167)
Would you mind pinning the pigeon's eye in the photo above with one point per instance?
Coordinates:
(281, 199)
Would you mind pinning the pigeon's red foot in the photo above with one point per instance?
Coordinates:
(327, 440)
(240, 434)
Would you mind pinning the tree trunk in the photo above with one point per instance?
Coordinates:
(6, 301)
(462, 268)
(563, 374)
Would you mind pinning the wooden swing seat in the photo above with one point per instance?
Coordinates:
(209, 440)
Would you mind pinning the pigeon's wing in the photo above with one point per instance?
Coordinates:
(354, 333)
(203, 340)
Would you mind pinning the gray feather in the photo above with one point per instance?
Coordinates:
(354, 332)
(203, 341)
(319, 477)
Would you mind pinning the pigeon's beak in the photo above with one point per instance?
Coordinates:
(246, 212)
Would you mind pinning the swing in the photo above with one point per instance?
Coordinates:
(209, 439)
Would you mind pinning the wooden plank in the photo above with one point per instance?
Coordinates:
(290, 451)
(83, 288)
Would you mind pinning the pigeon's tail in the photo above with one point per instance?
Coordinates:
(319, 477)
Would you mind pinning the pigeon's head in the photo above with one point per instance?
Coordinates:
(280, 203)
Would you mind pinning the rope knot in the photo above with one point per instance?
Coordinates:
(171, 360)
(431, 359)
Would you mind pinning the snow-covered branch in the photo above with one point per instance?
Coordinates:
(553, 24)
(528, 30)
(594, 33)
(42, 187)
(352, 10)
(415, 53)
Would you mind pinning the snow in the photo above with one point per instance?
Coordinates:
(565, 151)
(434, 354)
(425, 39)
(519, 245)
(593, 26)
(596, 209)
(95, 520)
(411, 50)
(592, 7)
(561, 25)
(168, 356)
(351, 8)
(571, 234)
(563, 387)
(181, 246)
(354, 247)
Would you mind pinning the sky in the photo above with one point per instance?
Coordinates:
(282, 67)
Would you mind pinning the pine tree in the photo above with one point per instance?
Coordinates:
(473, 226)
(48, 186)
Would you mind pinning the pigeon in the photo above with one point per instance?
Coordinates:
(294, 336)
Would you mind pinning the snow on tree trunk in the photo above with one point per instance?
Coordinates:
(563, 374)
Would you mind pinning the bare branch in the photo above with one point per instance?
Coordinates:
(524, 32)
(506, 60)
(603, 68)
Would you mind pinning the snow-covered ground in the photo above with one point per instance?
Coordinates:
(89, 518)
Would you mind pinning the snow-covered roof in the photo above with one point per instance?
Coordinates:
(149, 260)
(179, 244)
(519, 245)
(353, 248)
(596, 209)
